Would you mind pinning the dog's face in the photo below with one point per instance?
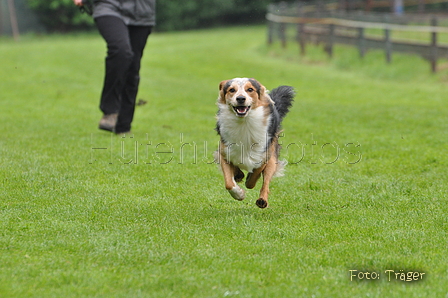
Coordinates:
(242, 95)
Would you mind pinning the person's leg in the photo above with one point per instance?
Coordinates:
(118, 60)
(138, 36)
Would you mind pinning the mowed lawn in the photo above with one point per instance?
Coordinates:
(84, 213)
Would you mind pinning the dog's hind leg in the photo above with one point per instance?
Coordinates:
(268, 173)
(253, 177)
(239, 175)
(229, 171)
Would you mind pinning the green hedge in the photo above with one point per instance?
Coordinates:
(63, 15)
(60, 15)
(171, 15)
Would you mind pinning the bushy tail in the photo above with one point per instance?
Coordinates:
(283, 96)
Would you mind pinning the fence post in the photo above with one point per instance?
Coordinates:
(388, 45)
(283, 34)
(433, 47)
(362, 42)
(330, 40)
(302, 38)
(1, 21)
(13, 19)
(271, 26)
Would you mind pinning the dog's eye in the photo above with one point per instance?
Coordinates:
(250, 90)
(231, 90)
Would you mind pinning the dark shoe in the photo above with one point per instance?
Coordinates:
(108, 122)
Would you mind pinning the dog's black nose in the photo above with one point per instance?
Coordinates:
(240, 99)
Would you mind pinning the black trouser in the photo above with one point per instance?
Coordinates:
(125, 46)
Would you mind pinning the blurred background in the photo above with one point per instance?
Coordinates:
(41, 16)
(408, 26)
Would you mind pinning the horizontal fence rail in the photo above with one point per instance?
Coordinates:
(329, 30)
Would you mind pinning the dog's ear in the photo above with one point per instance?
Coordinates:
(222, 91)
(221, 85)
(261, 90)
(264, 95)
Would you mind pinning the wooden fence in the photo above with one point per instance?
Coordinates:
(330, 31)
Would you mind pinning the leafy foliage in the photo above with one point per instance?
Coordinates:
(63, 15)
(60, 15)
(205, 13)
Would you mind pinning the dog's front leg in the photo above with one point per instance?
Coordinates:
(228, 170)
(268, 173)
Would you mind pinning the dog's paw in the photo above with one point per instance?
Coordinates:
(237, 193)
(239, 176)
(262, 203)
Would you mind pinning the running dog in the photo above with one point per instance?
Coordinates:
(249, 123)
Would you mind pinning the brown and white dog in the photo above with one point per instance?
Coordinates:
(249, 122)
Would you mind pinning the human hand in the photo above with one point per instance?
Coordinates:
(78, 2)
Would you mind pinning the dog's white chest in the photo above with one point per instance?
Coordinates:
(245, 138)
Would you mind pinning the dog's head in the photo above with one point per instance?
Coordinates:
(242, 95)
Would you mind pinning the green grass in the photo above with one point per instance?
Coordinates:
(148, 216)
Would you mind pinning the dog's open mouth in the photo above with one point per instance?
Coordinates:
(241, 111)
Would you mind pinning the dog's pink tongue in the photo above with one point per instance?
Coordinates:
(241, 110)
